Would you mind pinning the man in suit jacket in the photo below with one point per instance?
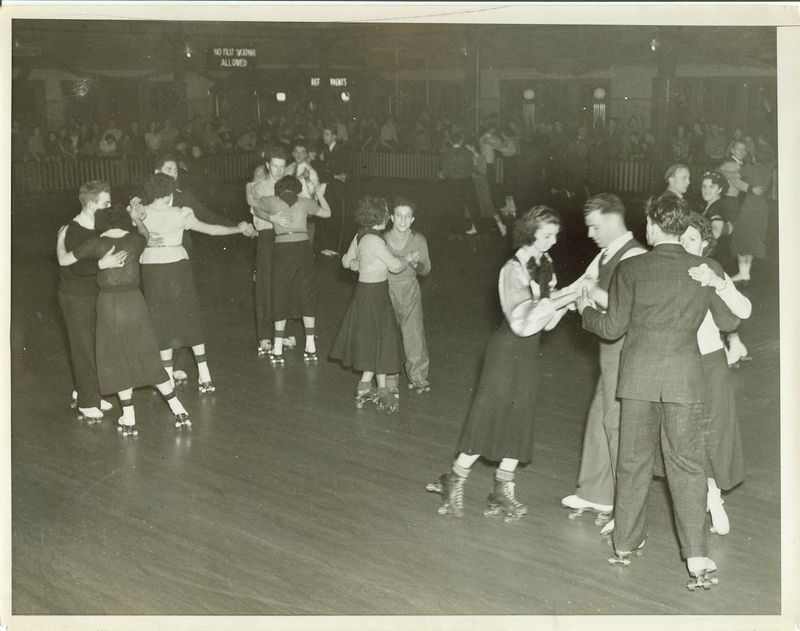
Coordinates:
(658, 307)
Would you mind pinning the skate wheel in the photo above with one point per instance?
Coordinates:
(602, 519)
(575, 514)
(443, 510)
(434, 487)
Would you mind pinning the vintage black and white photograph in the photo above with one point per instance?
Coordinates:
(379, 313)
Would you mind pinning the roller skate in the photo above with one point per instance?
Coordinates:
(420, 386)
(126, 424)
(105, 406)
(179, 378)
(501, 501)
(90, 415)
(205, 386)
(182, 421)
(719, 518)
(276, 359)
(451, 487)
(365, 393)
(580, 506)
(289, 342)
(264, 348)
(310, 356)
(701, 568)
(624, 558)
(73, 404)
(388, 401)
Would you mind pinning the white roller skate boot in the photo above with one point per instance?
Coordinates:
(701, 569)
(90, 415)
(126, 424)
(579, 506)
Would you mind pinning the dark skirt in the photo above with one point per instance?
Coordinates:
(172, 300)
(127, 351)
(750, 228)
(293, 292)
(369, 336)
(724, 440)
(500, 421)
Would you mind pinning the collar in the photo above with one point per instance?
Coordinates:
(331, 146)
(82, 220)
(616, 244)
(524, 260)
(669, 245)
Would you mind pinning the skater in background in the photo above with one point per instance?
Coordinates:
(406, 296)
(293, 292)
(77, 297)
(483, 193)
(656, 303)
(749, 240)
(725, 466)
(369, 338)
(127, 351)
(677, 178)
(499, 426)
(167, 276)
(712, 187)
(604, 215)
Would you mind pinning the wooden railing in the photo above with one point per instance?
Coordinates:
(30, 177)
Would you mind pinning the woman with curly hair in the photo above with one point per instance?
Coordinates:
(499, 425)
(369, 337)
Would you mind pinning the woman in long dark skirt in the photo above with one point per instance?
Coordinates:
(369, 337)
(127, 351)
(725, 464)
(167, 277)
(499, 425)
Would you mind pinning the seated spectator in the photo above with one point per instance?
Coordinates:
(152, 138)
(107, 148)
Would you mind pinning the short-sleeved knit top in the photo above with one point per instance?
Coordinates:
(166, 225)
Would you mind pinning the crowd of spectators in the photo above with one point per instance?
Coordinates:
(580, 146)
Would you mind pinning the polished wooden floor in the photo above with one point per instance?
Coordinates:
(285, 499)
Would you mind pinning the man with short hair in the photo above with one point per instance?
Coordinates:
(604, 215)
(77, 297)
(656, 304)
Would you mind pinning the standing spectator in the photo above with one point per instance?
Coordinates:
(750, 227)
(510, 152)
(697, 145)
(333, 172)
(680, 145)
(36, 149)
(716, 144)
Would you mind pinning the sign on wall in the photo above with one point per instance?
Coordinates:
(232, 57)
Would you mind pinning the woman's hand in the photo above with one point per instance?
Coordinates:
(704, 275)
(111, 259)
(247, 229)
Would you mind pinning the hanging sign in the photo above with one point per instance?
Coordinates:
(233, 57)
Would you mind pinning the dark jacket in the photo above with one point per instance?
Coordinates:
(657, 305)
